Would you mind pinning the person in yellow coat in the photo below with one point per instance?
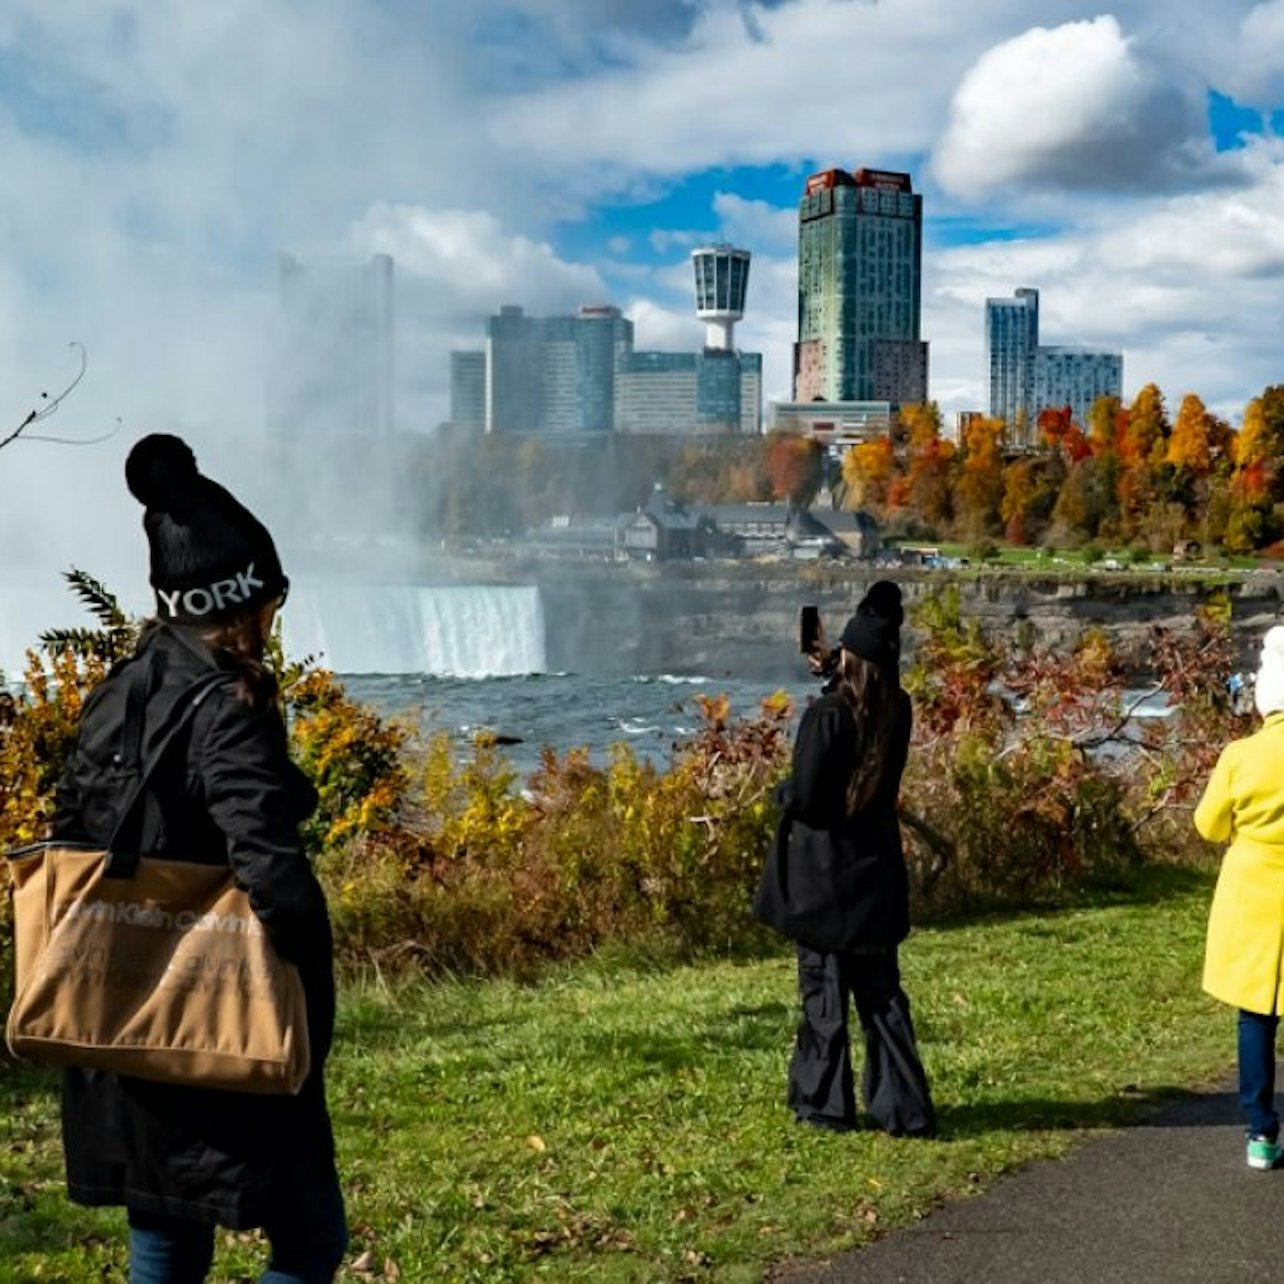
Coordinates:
(1243, 804)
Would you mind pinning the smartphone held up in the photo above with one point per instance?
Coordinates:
(808, 630)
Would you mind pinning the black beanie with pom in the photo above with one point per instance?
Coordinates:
(211, 558)
(874, 632)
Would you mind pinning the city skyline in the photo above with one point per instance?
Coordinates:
(580, 375)
(559, 152)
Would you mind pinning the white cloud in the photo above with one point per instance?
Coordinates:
(755, 223)
(801, 77)
(473, 265)
(1253, 70)
(663, 329)
(1074, 107)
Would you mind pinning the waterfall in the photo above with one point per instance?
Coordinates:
(456, 630)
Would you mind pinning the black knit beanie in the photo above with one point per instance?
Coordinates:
(883, 598)
(873, 638)
(874, 632)
(211, 558)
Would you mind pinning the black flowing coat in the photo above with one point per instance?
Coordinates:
(836, 882)
(226, 793)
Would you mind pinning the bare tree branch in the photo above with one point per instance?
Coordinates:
(49, 406)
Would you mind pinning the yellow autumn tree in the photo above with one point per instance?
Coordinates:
(1191, 444)
(1148, 428)
(868, 469)
(980, 485)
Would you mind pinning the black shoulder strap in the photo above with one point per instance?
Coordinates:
(123, 848)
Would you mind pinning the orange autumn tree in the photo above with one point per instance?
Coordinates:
(1107, 425)
(795, 465)
(929, 465)
(1058, 430)
(1199, 438)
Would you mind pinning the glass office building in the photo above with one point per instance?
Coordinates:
(1011, 341)
(1027, 377)
(554, 375)
(1076, 377)
(468, 390)
(700, 393)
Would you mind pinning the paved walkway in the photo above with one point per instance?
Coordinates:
(1168, 1201)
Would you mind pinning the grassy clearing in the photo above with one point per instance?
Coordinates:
(625, 1122)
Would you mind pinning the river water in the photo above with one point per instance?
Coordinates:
(459, 659)
(649, 713)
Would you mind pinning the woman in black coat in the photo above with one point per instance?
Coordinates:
(846, 897)
(182, 1159)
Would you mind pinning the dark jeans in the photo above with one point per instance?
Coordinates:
(894, 1086)
(308, 1238)
(1257, 1073)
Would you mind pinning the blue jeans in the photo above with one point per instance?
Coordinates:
(308, 1237)
(1257, 1073)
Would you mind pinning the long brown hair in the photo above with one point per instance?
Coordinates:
(869, 690)
(238, 645)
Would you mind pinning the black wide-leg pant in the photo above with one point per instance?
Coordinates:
(894, 1086)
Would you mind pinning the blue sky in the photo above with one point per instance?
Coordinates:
(1125, 160)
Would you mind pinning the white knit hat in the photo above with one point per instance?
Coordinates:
(1268, 688)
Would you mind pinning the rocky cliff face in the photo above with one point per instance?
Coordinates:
(717, 618)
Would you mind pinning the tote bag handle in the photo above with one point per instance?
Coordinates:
(126, 839)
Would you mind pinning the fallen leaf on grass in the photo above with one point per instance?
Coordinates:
(536, 1142)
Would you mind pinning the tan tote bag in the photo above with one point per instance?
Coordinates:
(150, 967)
(164, 975)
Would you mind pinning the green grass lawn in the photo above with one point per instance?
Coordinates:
(618, 1122)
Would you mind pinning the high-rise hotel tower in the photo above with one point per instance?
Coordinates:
(860, 252)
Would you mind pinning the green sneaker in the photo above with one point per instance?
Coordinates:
(1263, 1153)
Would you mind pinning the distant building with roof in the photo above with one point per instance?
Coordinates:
(663, 529)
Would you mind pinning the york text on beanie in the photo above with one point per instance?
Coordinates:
(215, 599)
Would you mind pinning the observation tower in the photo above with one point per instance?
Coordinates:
(721, 280)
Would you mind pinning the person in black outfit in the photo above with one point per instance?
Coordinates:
(848, 885)
(182, 1159)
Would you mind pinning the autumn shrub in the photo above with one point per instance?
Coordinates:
(487, 875)
(352, 756)
(37, 727)
(1031, 771)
